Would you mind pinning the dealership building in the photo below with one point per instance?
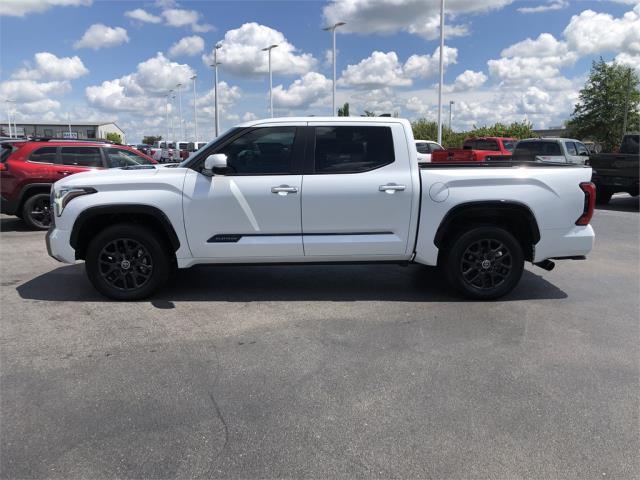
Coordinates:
(72, 130)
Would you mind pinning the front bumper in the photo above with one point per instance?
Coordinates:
(59, 246)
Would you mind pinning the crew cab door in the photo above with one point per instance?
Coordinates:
(253, 210)
(358, 193)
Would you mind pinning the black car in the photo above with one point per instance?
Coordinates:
(617, 172)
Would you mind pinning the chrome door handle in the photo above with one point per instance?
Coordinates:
(391, 187)
(284, 190)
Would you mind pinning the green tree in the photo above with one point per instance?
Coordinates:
(428, 130)
(344, 110)
(114, 137)
(151, 139)
(599, 113)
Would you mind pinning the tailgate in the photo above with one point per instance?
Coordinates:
(615, 165)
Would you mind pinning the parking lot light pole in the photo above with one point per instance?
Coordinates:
(268, 49)
(178, 87)
(332, 29)
(195, 110)
(216, 123)
(451, 104)
(441, 71)
(166, 111)
(9, 102)
(173, 130)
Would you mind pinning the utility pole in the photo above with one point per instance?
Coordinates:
(195, 110)
(216, 123)
(332, 29)
(268, 49)
(441, 71)
(178, 87)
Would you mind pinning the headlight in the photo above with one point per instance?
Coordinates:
(63, 196)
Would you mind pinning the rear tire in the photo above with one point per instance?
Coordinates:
(484, 263)
(127, 262)
(36, 211)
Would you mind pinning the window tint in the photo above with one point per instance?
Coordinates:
(81, 156)
(117, 157)
(263, 151)
(486, 145)
(43, 155)
(352, 149)
(435, 147)
(540, 148)
(571, 148)
(423, 148)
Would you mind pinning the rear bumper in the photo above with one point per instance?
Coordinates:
(10, 207)
(558, 243)
(59, 247)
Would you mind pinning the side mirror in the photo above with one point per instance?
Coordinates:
(215, 164)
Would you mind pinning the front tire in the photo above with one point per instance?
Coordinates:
(127, 262)
(484, 263)
(36, 211)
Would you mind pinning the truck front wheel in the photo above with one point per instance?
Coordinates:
(484, 263)
(127, 262)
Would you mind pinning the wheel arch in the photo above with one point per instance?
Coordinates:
(32, 189)
(515, 217)
(94, 219)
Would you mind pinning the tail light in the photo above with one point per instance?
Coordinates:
(3, 167)
(589, 190)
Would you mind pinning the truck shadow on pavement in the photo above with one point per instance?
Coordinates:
(623, 203)
(13, 224)
(392, 283)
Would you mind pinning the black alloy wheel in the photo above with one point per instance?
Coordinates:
(484, 263)
(36, 211)
(125, 264)
(128, 261)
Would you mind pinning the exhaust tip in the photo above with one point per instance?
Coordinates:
(547, 265)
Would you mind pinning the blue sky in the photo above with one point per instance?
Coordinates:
(125, 65)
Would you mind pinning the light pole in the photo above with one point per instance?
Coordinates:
(441, 71)
(166, 111)
(173, 130)
(332, 29)
(451, 104)
(178, 87)
(195, 110)
(216, 123)
(268, 49)
(9, 102)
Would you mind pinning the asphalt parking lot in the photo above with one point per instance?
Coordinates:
(323, 371)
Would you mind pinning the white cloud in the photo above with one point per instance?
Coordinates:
(50, 67)
(142, 16)
(249, 116)
(427, 66)
(593, 33)
(550, 5)
(242, 54)
(629, 60)
(20, 8)
(228, 95)
(303, 92)
(187, 46)
(142, 91)
(100, 36)
(26, 91)
(420, 17)
(469, 80)
(385, 70)
(179, 17)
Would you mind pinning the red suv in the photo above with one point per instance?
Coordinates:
(28, 168)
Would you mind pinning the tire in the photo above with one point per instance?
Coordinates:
(484, 263)
(603, 195)
(36, 211)
(127, 262)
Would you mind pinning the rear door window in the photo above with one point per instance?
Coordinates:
(352, 149)
(571, 148)
(43, 155)
(81, 156)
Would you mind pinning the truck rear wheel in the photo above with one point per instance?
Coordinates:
(484, 263)
(127, 262)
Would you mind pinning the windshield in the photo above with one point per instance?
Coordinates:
(509, 145)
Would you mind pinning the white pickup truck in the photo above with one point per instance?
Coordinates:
(330, 190)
